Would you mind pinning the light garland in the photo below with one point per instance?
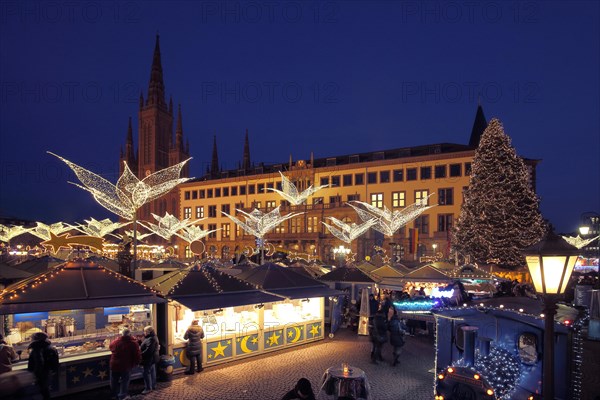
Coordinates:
(129, 193)
(387, 221)
(290, 192)
(348, 232)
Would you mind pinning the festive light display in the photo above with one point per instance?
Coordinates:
(100, 228)
(140, 236)
(387, 221)
(129, 193)
(44, 231)
(348, 232)
(500, 214)
(501, 369)
(193, 233)
(258, 224)
(290, 192)
(9, 232)
(578, 241)
(68, 241)
(167, 226)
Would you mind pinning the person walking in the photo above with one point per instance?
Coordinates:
(194, 336)
(378, 336)
(397, 332)
(150, 358)
(7, 356)
(126, 354)
(302, 390)
(43, 359)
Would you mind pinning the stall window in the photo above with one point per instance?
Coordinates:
(459, 337)
(528, 348)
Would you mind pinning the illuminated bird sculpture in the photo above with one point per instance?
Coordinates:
(9, 232)
(44, 231)
(578, 241)
(100, 228)
(194, 232)
(348, 232)
(290, 192)
(387, 221)
(167, 226)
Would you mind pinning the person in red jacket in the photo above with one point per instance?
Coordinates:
(126, 354)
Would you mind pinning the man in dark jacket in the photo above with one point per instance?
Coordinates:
(7, 356)
(397, 332)
(125, 356)
(378, 336)
(194, 336)
(150, 357)
(43, 359)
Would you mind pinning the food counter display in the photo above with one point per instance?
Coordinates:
(236, 332)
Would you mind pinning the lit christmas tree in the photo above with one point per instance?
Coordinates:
(500, 214)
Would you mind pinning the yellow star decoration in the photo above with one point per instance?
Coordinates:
(210, 356)
(219, 350)
(102, 363)
(254, 339)
(87, 372)
(290, 333)
(75, 379)
(386, 260)
(314, 330)
(229, 342)
(102, 375)
(72, 368)
(351, 257)
(274, 339)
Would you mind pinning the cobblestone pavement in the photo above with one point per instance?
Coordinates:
(270, 376)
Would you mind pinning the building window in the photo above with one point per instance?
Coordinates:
(455, 170)
(186, 195)
(225, 208)
(194, 194)
(384, 177)
(312, 224)
(200, 212)
(445, 222)
(271, 204)
(280, 228)
(257, 204)
(218, 192)
(251, 189)
(467, 169)
(238, 231)
(202, 193)
(398, 199)
(188, 252)
(187, 212)
(212, 211)
(260, 189)
(422, 224)
(372, 177)
(347, 179)
(317, 200)
(359, 179)
(270, 185)
(440, 171)
(446, 197)
(225, 191)
(354, 197)
(212, 227)
(421, 197)
(278, 186)
(335, 199)
(209, 193)
(295, 225)
(335, 181)
(377, 200)
(225, 230)
(411, 174)
(425, 173)
(324, 180)
(398, 175)
(234, 190)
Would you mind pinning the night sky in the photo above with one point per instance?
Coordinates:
(331, 77)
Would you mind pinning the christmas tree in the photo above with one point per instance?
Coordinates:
(500, 213)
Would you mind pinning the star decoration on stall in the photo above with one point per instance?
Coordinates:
(102, 375)
(72, 368)
(219, 350)
(386, 259)
(67, 241)
(314, 330)
(351, 257)
(274, 339)
(75, 379)
(87, 372)
(102, 362)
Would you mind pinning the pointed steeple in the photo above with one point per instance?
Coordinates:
(156, 87)
(479, 126)
(129, 151)
(246, 156)
(179, 130)
(141, 99)
(214, 164)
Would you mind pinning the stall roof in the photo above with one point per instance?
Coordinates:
(366, 267)
(39, 264)
(75, 284)
(471, 272)
(203, 287)
(427, 273)
(8, 273)
(386, 272)
(347, 274)
(106, 262)
(283, 281)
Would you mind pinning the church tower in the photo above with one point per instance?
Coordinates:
(157, 148)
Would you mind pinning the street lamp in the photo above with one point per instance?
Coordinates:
(550, 264)
(341, 252)
(590, 225)
(434, 249)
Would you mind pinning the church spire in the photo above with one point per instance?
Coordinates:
(214, 165)
(179, 131)
(479, 126)
(246, 156)
(156, 87)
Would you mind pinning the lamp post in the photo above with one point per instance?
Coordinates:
(550, 264)
(434, 249)
(341, 252)
(590, 225)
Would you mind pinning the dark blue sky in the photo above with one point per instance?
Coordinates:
(329, 77)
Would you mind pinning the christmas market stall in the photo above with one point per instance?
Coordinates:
(82, 307)
(240, 318)
(493, 348)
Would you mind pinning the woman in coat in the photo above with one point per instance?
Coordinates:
(150, 357)
(194, 336)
